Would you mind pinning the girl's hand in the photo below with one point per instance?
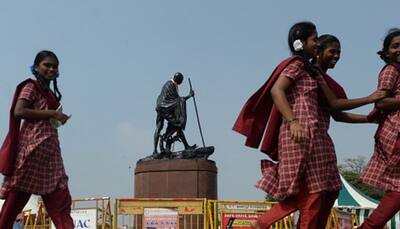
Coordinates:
(60, 117)
(377, 95)
(297, 131)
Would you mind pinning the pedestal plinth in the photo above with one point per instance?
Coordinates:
(178, 178)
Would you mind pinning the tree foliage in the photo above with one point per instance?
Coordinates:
(351, 170)
(354, 164)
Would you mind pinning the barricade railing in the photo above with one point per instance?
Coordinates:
(86, 213)
(340, 218)
(232, 213)
(36, 220)
(177, 213)
(86, 210)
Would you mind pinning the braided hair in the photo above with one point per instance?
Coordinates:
(39, 58)
(301, 31)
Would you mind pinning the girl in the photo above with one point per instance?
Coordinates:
(331, 105)
(30, 157)
(304, 173)
(383, 169)
(292, 92)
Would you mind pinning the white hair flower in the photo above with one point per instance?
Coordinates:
(297, 45)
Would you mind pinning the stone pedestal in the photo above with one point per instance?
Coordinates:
(178, 178)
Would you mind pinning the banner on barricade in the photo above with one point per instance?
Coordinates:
(344, 220)
(237, 220)
(83, 219)
(160, 218)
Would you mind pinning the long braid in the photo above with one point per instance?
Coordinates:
(301, 31)
(308, 64)
(310, 68)
(56, 91)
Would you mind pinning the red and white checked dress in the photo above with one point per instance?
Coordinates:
(329, 158)
(312, 163)
(383, 169)
(39, 166)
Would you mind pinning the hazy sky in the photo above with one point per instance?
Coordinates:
(116, 55)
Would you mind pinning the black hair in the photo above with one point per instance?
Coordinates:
(325, 40)
(178, 77)
(40, 56)
(301, 31)
(394, 32)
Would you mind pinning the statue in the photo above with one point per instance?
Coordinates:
(171, 107)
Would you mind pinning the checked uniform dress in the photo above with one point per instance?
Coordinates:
(39, 166)
(383, 169)
(327, 148)
(312, 163)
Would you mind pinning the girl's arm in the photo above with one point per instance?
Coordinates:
(347, 104)
(349, 117)
(280, 100)
(388, 104)
(23, 111)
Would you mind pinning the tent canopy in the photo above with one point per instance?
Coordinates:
(349, 196)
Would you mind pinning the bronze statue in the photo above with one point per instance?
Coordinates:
(171, 107)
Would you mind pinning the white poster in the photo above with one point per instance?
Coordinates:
(160, 218)
(83, 219)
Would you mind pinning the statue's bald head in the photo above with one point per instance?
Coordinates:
(178, 78)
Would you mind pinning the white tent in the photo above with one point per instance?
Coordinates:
(358, 203)
(351, 197)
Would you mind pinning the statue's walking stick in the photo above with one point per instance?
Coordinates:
(197, 114)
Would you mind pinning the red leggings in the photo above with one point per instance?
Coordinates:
(328, 203)
(58, 206)
(388, 207)
(314, 210)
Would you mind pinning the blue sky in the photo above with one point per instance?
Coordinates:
(116, 55)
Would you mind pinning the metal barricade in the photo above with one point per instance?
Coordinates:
(169, 213)
(227, 214)
(86, 213)
(89, 209)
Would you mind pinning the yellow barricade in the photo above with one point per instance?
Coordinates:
(38, 220)
(155, 213)
(340, 219)
(174, 213)
(190, 214)
(227, 214)
(87, 212)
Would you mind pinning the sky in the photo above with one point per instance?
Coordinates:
(116, 55)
